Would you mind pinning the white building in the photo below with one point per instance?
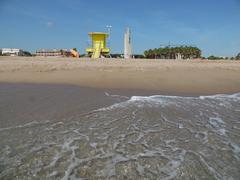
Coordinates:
(12, 52)
(127, 44)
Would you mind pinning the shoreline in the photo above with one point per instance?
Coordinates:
(23, 102)
(168, 77)
(127, 92)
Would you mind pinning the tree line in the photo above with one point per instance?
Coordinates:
(222, 58)
(182, 52)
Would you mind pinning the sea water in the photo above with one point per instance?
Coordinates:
(151, 137)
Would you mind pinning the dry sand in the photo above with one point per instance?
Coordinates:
(195, 77)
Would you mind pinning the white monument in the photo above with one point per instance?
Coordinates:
(127, 44)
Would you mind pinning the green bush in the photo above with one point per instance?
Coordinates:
(215, 58)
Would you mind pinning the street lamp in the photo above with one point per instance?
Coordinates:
(109, 33)
(109, 29)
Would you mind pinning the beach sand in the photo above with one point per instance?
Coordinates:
(195, 77)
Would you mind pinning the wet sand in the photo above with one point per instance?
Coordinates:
(174, 77)
(22, 103)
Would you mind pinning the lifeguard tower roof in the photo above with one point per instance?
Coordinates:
(98, 33)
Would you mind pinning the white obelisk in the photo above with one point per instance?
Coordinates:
(127, 44)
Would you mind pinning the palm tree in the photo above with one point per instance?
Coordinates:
(238, 56)
(186, 52)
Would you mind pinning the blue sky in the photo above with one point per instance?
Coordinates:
(211, 25)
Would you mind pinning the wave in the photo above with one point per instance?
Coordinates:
(170, 100)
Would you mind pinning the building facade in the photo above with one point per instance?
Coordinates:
(45, 53)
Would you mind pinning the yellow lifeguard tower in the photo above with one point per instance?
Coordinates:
(98, 48)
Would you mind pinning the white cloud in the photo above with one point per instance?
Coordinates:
(49, 24)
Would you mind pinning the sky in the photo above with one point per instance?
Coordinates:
(211, 25)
